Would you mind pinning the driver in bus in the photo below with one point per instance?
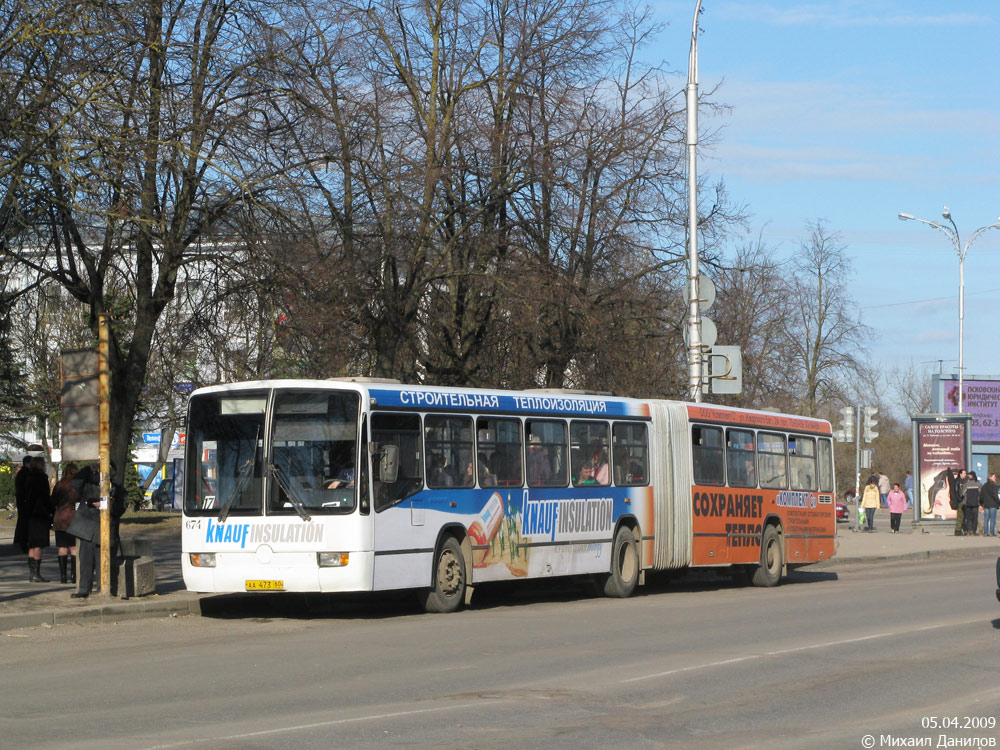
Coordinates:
(344, 479)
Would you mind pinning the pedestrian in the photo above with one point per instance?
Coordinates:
(883, 489)
(870, 501)
(970, 500)
(22, 504)
(908, 486)
(40, 517)
(957, 499)
(87, 484)
(989, 498)
(65, 499)
(897, 504)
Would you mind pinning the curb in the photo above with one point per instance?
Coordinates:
(929, 554)
(102, 613)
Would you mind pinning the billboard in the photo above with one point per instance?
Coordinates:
(80, 400)
(940, 442)
(982, 401)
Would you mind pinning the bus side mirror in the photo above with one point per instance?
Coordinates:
(389, 464)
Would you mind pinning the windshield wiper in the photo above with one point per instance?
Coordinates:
(245, 473)
(278, 474)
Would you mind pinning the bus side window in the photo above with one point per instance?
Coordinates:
(546, 462)
(771, 460)
(449, 447)
(403, 431)
(802, 462)
(706, 450)
(498, 452)
(631, 454)
(740, 464)
(825, 465)
(589, 455)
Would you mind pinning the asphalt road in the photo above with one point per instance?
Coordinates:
(819, 662)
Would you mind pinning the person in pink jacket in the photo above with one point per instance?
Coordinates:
(897, 504)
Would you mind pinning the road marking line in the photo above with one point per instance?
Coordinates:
(320, 724)
(782, 652)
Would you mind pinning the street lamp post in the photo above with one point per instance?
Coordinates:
(694, 352)
(952, 234)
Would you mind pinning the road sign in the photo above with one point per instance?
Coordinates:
(709, 333)
(726, 369)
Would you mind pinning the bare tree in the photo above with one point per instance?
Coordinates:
(147, 168)
(826, 338)
(911, 388)
(752, 311)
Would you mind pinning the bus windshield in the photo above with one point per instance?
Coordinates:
(225, 449)
(314, 452)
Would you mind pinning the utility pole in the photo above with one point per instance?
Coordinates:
(857, 463)
(105, 451)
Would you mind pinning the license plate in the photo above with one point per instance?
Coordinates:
(265, 585)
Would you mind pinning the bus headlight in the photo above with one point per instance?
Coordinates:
(332, 559)
(202, 559)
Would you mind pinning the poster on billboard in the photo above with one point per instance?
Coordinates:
(940, 442)
(981, 400)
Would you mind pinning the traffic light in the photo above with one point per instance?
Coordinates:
(868, 433)
(846, 432)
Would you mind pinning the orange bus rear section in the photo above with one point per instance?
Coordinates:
(728, 522)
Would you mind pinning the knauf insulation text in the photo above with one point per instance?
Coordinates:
(261, 533)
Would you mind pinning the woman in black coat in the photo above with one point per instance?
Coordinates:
(23, 505)
(40, 519)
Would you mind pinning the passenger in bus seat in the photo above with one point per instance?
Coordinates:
(486, 477)
(439, 476)
(585, 477)
(539, 471)
(601, 471)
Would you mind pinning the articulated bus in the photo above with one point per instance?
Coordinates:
(359, 484)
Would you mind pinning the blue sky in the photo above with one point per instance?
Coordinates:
(852, 112)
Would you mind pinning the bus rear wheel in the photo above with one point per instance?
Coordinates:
(624, 576)
(768, 573)
(448, 591)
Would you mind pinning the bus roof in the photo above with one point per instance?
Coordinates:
(385, 394)
(757, 419)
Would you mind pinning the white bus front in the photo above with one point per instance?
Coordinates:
(276, 491)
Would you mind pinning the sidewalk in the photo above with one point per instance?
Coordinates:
(24, 604)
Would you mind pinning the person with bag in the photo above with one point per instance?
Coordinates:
(65, 499)
(86, 526)
(870, 502)
(40, 520)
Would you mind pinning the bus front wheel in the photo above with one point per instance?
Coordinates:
(624, 576)
(768, 573)
(448, 591)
